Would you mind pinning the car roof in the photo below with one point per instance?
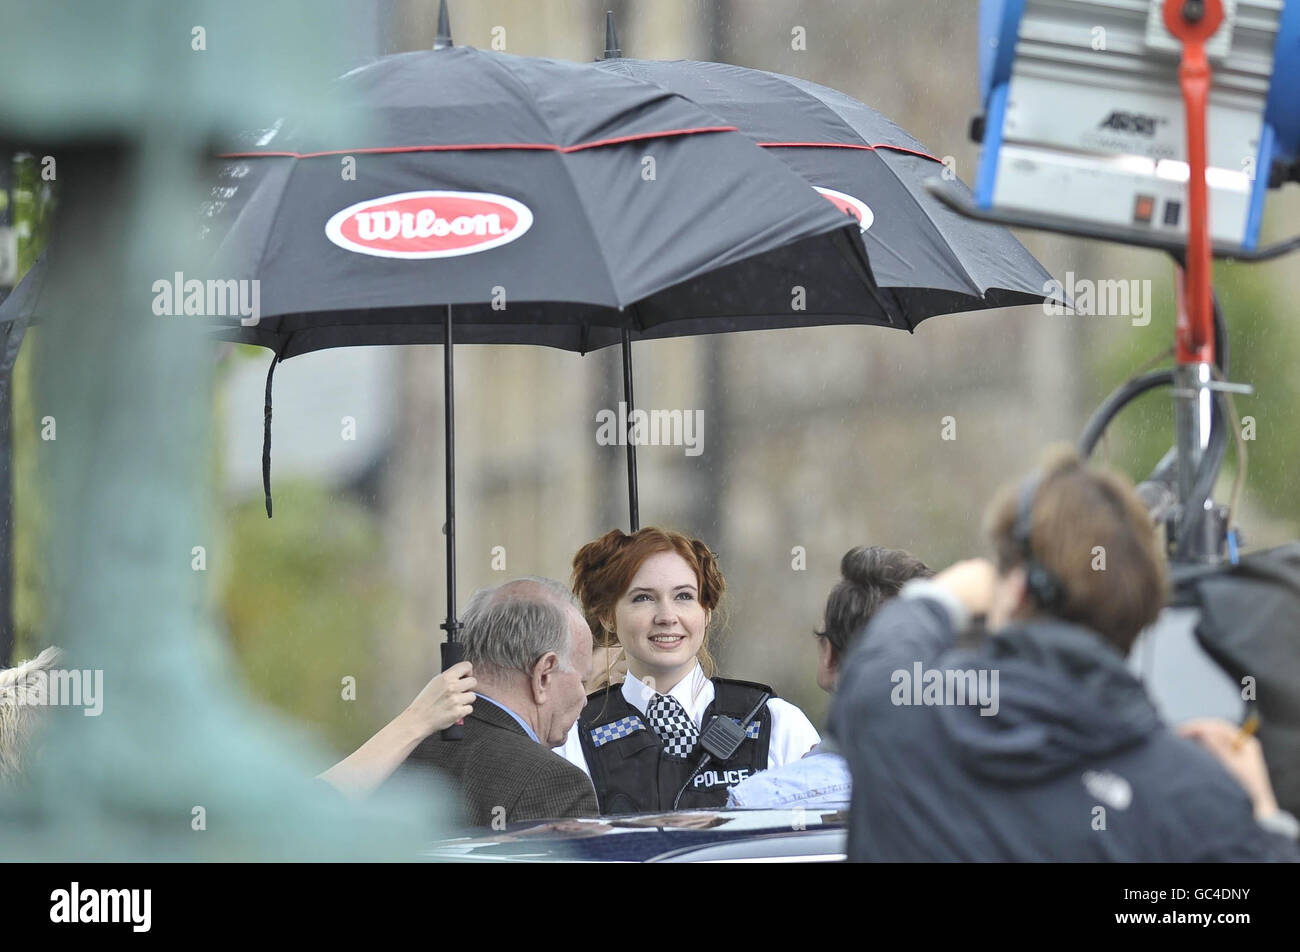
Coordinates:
(646, 837)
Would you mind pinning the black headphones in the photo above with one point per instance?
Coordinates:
(1040, 581)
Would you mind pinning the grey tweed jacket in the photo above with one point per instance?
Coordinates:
(502, 774)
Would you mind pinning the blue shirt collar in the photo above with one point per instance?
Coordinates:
(479, 695)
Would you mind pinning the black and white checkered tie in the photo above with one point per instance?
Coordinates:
(674, 726)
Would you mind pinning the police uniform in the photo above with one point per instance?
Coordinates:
(632, 772)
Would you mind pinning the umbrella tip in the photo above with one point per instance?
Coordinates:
(611, 38)
(442, 40)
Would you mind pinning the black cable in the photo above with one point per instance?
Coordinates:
(1128, 391)
(720, 744)
(754, 712)
(1192, 516)
(1193, 512)
(698, 767)
(1220, 336)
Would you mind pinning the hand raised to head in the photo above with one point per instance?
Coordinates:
(972, 582)
(445, 700)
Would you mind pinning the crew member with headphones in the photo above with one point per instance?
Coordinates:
(672, 735)
(1044, 586)
(1067, 757)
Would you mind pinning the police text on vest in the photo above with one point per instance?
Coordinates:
(711, 778)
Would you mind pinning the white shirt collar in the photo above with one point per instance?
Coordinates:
(694, 691)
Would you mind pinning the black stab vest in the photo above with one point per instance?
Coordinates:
(633, 774)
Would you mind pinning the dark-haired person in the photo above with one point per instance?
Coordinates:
(1038, 743)
(869, 576)
(654, 593)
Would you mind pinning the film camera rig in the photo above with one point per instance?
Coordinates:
(1097, 120)
(1095, 123)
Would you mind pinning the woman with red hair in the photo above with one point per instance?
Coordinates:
(647, 744)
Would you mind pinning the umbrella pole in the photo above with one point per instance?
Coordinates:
(453, 651)
(633, 503)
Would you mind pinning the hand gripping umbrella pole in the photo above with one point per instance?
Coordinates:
(453, 650)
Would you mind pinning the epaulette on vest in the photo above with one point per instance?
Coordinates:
(758, 690)
(609, 708)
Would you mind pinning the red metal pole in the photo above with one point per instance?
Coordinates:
(1194, 22)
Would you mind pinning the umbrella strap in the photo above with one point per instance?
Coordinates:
(266, 428)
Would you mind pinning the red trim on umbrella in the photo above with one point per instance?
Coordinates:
(596, 143)
(850, 145)
(471, 146)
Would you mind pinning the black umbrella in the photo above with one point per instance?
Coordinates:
(933, 261)
(930, 259)
(519, 200)
(583, 196)
(514, 200)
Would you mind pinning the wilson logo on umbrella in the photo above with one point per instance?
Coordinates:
(847, 203)
(429, 224)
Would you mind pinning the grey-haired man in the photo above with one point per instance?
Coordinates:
(531, 651)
